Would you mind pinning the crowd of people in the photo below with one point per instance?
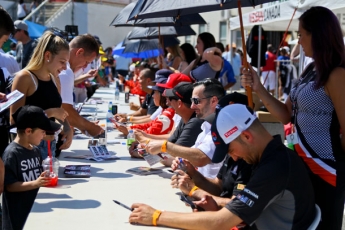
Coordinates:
(238, 175)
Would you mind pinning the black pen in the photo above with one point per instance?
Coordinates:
(123, 205)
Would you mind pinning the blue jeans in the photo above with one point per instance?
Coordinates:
(43, 146)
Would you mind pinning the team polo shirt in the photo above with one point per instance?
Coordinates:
(279, 194)
(149, 104)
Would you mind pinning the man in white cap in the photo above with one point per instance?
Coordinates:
(26, 45)
(279, 194)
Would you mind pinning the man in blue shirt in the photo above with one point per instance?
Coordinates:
(226, 76)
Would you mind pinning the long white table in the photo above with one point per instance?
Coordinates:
(87, 203)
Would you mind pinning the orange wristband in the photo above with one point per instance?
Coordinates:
(192, 190)
(164, 146)
(155, 217)
(131, 118)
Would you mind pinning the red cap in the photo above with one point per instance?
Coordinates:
(174, 79)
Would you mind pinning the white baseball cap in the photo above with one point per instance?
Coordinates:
(230, 122)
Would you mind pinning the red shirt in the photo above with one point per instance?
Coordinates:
(270, 62)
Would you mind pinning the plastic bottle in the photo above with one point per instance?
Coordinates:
(130, 138)
(110, 125)
(110, 105)
(117, 94)
(51, 167)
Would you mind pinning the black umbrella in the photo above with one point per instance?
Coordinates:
(159, 8)
(178, 8)
(122, 19)
(155, 32)
(141, 45)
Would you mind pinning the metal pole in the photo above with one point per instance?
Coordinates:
(259, 50)
(301, 60)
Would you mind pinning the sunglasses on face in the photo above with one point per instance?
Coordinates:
(197, 101)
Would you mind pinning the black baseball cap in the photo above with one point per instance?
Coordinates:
(182, 90)
(161, 77)
(29, 116)
(221, 147)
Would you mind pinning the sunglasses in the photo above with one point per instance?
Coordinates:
(197, 101)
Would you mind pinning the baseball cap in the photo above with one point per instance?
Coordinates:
(230, 122)
(19, 24)
(97, 39)
(29, 116)
(161, 77)
(233, 45)
(162, 74)
(286, 48)
(182, 90)
(174, 79)
(233, 98)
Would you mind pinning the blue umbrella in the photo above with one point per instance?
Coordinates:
(120, 51)
(35, 30)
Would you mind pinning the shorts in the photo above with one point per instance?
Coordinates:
(269, 79)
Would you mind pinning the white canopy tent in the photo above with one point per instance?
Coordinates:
(276, 16)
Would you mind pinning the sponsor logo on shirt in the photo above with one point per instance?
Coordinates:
(251, 193)
(241, 186)
(230, 132)
(244, 199)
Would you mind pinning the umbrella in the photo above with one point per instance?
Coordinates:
(35, 30)
(122, 19)
(155, 32)
(159, 8)
(120, 51)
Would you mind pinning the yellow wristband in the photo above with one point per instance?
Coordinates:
(164, 146)
(155, 217)
(192, 190)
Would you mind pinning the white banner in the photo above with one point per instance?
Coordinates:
(276, 16)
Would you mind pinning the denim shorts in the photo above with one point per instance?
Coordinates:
(43, 146)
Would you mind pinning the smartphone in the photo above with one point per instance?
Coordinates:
(188, 201)
(114, 109)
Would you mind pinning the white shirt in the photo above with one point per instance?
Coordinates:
(67, 85)
(9, 62)
(205, 143)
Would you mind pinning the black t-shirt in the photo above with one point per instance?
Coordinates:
(279, 195)
(21, 165)
(149, 104)
(186, 134)
(234, 175)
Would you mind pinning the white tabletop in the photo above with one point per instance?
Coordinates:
(87, 203)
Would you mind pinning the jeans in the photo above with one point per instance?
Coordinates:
(43, 146)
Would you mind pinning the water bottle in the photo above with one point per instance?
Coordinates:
(117, 94)
(109, 117)
(130, 138)
(110, 105)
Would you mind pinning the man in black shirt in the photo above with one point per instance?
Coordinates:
(148, 107)
(189, 127)
(279, 194)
